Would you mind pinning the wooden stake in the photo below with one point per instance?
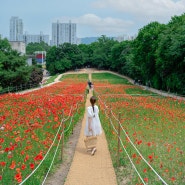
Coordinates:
(118, 151)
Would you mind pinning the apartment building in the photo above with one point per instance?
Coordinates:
(63, 33)
(16, 29)
(30, 38)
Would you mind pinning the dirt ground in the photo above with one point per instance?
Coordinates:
(59, 176)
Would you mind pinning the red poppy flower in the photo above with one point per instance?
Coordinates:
(139, 142)
(173, 179)
(146, 179)
(32, 166)
(134, 156)
(150, 157)
(2, 163)
(23, 167)
(38, 157)
(12, 166)
(18, 177)
(1, 140)
(149, 144)
(26, 158)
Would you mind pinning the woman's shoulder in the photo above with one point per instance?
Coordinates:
(90, 107)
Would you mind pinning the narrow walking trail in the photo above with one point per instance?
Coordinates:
(91, 170)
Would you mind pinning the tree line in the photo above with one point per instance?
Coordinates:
(156, 56)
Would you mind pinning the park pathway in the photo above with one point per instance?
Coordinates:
(91, 170)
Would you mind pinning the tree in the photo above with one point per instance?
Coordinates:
(145, 46)
(102, 52)
(36, 75)
(13, 67)
(171, 55)
(66, 56)
(31, 48)
(87, 54)
(121, 59)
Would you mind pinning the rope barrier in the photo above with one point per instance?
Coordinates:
(44, 156)
(132, 95)
(127, 154)
(135, 147)
(142, 156)
(62, 121)
(126, 151)
(52, 159)
(56, 152)
(68, 115)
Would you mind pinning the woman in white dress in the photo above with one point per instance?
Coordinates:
(93, 125)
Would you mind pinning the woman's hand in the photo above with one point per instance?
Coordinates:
(89, 124)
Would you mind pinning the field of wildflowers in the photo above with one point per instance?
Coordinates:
(29, 123)
(154, 124)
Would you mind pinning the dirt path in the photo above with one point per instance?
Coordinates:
(91, 170)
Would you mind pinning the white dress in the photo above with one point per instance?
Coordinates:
(95, 121)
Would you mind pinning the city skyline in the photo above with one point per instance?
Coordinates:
(93, 17)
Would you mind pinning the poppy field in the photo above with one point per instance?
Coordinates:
(152, 132)
(30, 122)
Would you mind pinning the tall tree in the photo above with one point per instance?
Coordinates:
(145, 46)
(102, 52)
(171, 55)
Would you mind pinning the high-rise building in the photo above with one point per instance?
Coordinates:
(16, 29)
(35, 38)
(63, 33)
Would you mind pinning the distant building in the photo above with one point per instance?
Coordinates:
(40, 57)
(16, 29)
(88, 40)
(63, 33)
(29, 60)
(18, 46)
(35, 38)
(124, 37)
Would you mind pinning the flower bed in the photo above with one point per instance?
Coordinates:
(154, 124)
(28, 126)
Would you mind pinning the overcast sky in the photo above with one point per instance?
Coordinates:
(93, 17)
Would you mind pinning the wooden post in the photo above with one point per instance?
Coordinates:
(62, 148)
(118, 151)
(110, 117)
(72, 121)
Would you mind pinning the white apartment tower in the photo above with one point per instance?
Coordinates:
(16, 29)
(35, 38)
(63, 33)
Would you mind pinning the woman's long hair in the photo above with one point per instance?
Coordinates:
(93, 101)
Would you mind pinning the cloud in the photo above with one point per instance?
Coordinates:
(145, 10)
(125, 16)
(101, 26)
(104, 24)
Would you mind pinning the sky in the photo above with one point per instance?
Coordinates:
(93, 17)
